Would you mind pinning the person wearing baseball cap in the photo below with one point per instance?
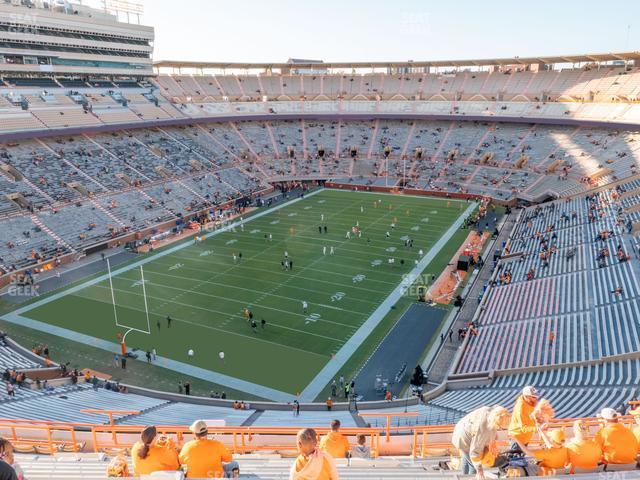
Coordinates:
(203, 456)
(618, 443)
(523, 426)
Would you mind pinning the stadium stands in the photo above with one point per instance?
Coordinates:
(587, 83)
(560, 311)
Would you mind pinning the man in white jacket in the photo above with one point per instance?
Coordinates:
(475, 434)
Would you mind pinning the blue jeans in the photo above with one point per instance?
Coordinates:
(466, 465)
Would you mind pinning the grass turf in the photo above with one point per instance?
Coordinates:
(205, 292)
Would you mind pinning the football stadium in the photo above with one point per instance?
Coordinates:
(314, 268)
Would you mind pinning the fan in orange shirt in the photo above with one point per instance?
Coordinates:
(152, 454)
(312, 464)
(584, 453)
(618, 443)
(523, 425)
(202, 456)
(334, 443)
(554, 456)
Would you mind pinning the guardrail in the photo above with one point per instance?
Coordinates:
(51, 437)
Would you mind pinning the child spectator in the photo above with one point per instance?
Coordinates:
(311, 463)
(361, 450)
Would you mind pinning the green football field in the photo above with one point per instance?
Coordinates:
(205, 291)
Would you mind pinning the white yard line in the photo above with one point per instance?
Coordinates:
(225, 314)
(275, 284)
(266, 294)
(275, 264)
(332, 282)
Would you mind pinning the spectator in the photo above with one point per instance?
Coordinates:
(361, 450)
(636, 417)
(618, 443)
(584, 453)
(118, 468)
(232, 470)
(334, 443)
(8, 469)
(329, 403)
(475, 435)
(152, 453)
(202, 456)
(523, 426)
(311, 463)
(553, 456)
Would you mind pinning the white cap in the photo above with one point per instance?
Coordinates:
(198, 427)
(608, 414)
(530, 391)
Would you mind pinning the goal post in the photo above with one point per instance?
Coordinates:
(119, 322)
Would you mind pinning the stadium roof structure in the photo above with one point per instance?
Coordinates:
(583, 58)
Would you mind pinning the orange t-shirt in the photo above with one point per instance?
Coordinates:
(203, 458)
(158, 459)
(335, 444)
(522, 426)
(618, 443)
(555, 457)
(551, 459)
(584, 454)
(328, 471)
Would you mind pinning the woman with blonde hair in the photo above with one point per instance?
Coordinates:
(153, 453)
(584, 453)
(475, 435)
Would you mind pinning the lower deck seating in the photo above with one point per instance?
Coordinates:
(64, 404)
(265, 466)
(13, 359)
(185, 413)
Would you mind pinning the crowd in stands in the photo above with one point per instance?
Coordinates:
(78, 191)
(204, 457)
(586, 83)
(612, 447)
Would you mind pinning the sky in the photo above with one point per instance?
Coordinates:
(377, 30)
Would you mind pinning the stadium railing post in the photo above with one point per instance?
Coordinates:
(95, 440)
(414, 445)
(52, 449)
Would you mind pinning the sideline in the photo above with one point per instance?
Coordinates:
(331, 369)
